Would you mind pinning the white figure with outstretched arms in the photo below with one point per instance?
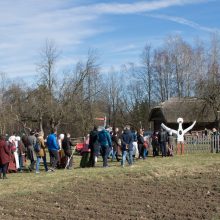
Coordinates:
(180, 133)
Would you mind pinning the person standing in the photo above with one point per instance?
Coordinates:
(162, 137)
(13, 141)
(135, 144)
(127, 146)
(21, 153)
(25, 141)
(4, 157)
(67, 148)
(115, 144)
(155, 143)
(85, 152)
(171, 143)
(106, 145)
(53, 148)
(30, 150)
(140, 139)
(41, 153)
(215, 141)
(61, 154)
(93, 145)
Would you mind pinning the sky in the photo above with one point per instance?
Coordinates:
(118, 30)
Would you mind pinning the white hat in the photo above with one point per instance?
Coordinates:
(17, 138)
(61, 136)
(12, 139)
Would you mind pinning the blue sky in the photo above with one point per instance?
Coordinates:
(118, 30)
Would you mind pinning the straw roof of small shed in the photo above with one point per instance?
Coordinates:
(189, 109)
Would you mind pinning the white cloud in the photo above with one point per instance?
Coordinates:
(18, 70)
(25, 24)
(184, 21)
(25, 28)
(125, 48)
(137, 7)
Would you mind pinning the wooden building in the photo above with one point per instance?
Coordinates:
(189, 109)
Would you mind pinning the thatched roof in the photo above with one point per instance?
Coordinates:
(189, 109)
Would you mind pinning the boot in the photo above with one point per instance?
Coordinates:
(5, 177)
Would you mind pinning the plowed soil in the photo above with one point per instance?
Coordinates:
(131, 197)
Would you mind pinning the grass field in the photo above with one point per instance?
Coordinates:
(182, 187)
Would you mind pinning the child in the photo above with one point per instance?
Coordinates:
(170, 144)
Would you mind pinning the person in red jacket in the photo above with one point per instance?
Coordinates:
(4, 156)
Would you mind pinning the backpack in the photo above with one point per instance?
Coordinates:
(37, 147)
(102, 136)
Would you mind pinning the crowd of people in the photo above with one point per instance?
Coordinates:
(16, 150)
(126, 145)
(109, 144)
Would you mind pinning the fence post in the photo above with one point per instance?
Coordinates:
(217, 145)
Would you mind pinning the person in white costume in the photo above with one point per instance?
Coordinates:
(180, 134)
(12, 140)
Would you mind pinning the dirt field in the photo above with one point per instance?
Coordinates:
(169, 188)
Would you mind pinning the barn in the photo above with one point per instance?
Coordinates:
(189, 109)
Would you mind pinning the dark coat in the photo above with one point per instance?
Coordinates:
(21, 148)
(155, 141)
(25, 141)
(134, 135)
(4, 152)
(66, 144)
(140, 139)
(162, 136)
(127, 139)
(115, 141)
(93, 139)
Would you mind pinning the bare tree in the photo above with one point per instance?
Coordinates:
(46, 66)
(199, 64)
(208, 85)
(113, 96)
(181, 55)
(16, 112)
(47, 73)
(214, 59)
(80, 92)
(163, 82)
(146, 73)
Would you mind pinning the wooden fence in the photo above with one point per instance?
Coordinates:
(192, 144)
(201, 144)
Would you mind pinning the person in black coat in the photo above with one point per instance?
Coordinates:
(155, 144)
(162, 138)
(67, 147)
(115, 144)
(127, 146)
(140, 139)
(94, 146)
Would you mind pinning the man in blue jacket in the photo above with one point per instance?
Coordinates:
(106, 145)
(53, 148)
(127, 146)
